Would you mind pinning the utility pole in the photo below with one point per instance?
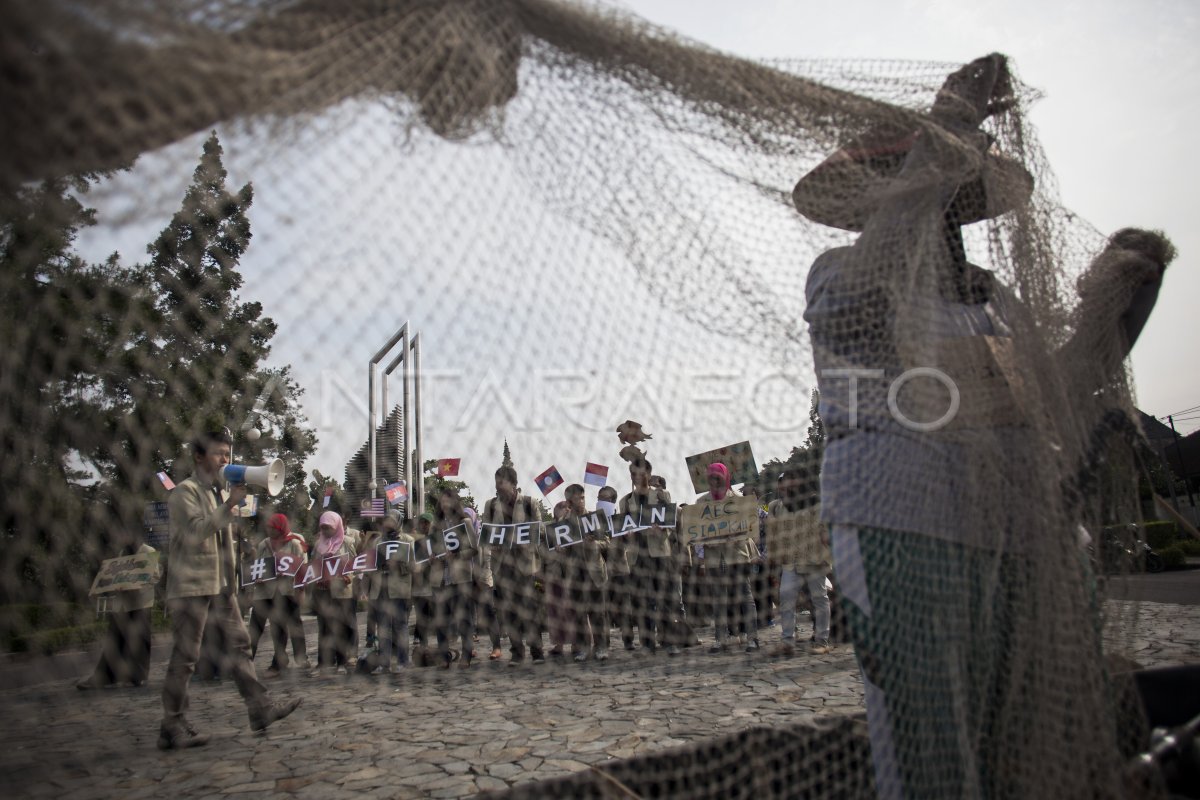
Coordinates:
(1187, 484)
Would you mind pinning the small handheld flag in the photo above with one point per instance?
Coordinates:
(396, 493)
(448, 467)
(328, 494)
(595, 474)
(167, 483)
(548, 480)
(373, 508)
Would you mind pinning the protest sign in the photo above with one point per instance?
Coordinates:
(739, 458)
(257, 570)
(337, 567)
(392, 553)
(127, 573)
(706, 520)
(563, 533)
(518, 534)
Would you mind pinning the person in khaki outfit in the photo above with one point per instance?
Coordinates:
(620, 585)
(728, 563)
(515, 568)
(390, 590)
(202, 582)
(422, 596)
(587, 584)
(275, 602)
(452, 578)
(795, 519)
(125, 653)
(332, 598)
(655, 559)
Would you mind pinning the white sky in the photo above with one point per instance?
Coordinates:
(1118, 121)
(1121, 87)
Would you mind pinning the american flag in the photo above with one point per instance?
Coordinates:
(373, 508)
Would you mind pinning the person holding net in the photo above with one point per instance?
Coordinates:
(951, 421)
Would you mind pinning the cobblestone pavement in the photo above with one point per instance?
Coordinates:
(434, 733)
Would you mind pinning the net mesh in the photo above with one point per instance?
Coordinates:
(565, 191)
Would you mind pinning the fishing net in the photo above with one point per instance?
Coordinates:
(572, 203)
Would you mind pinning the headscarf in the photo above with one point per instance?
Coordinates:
(721, 470)
(470, 512)
(330, 545)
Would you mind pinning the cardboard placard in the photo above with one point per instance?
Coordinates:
(126, 574)
(739, 458)
(708, 520)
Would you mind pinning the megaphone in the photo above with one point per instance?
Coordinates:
(270, 476)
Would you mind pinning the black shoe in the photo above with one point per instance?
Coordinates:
(180, 739)
(272, 713)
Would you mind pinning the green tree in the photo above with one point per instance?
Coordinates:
(61, 321)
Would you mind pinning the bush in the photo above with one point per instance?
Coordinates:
(53, 640)
(1160, 535)
(1172, 557)
(1190, 547)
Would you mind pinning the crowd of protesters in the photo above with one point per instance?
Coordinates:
(649, 587)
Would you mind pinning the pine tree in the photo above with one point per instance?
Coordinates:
(209, 343)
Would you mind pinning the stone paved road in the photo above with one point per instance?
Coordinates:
(444, 734)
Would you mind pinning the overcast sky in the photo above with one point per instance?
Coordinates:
(353, 235)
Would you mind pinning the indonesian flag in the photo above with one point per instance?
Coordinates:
(448, 467)
(548, 480)
(325, 499)
(595, 474)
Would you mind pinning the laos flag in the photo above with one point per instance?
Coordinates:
(548, 480)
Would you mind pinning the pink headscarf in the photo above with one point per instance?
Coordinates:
(722, 471)
(327, 546)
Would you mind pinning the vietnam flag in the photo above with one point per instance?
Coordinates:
(548, 480)
(448, 467)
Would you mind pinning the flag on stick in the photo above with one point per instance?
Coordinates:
(548, 480)
(167, 483)
(448, 467)
(373, 508)
(328, 494)
(396, 493)
(595, 474)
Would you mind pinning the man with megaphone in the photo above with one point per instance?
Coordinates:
(202, 582)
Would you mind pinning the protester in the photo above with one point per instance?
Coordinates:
(125, 651)
(515, 568)
(560, 623)
(795, 517)
(390, 590)
(275, 601)
(655, 558)
(332, 599)
(202, 582)
(621, 602)
(425, 632)
(728, 564)
(587, 579)
(453, 577)
(485, 593)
